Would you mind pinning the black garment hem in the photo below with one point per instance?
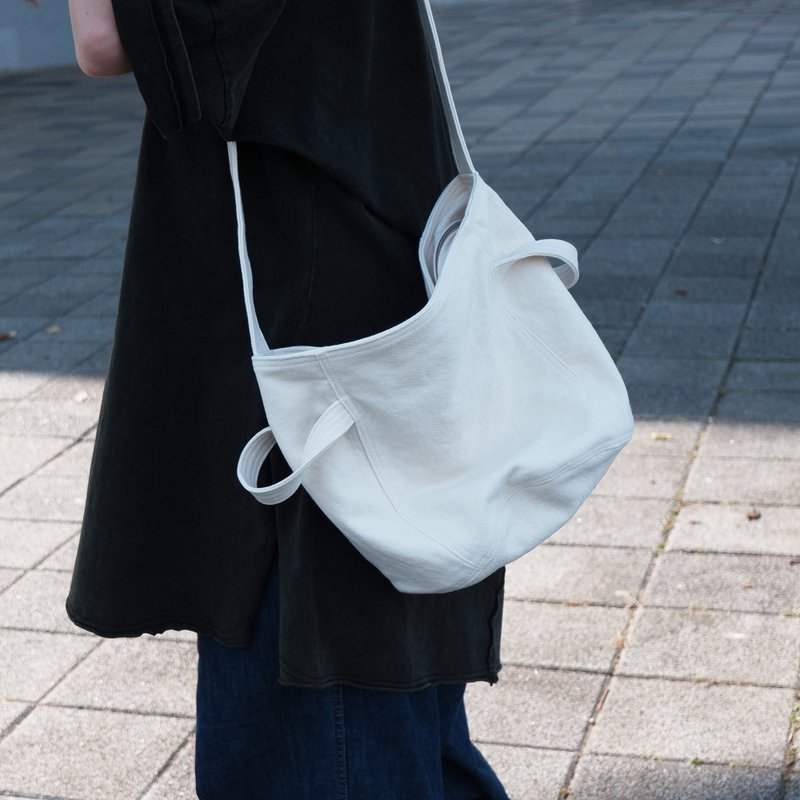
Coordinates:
(291, 677)
(239, 638)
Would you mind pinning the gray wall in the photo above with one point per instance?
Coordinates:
(34, 37)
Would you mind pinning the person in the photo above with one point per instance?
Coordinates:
(316, 678)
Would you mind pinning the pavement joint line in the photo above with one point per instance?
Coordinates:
(39, 435)
(15, 723)
(40, 699)
(700, 682)
(24, 478)
(791, 752)
(35, 566)
(83, 636)
(28, 796)
(703, 763)
(115, 710)
(589, 604)
(169, 762)
(44, 191)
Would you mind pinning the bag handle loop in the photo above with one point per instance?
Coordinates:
(565, 252)
(332, 424)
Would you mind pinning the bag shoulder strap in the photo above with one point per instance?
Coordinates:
(257, 341)
(457, 144)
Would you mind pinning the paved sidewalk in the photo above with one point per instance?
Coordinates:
(652, 647)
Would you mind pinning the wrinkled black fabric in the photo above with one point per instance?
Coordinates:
(343, 152)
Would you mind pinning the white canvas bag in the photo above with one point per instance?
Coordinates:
(458, 440)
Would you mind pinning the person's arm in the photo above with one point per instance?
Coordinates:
(97, 44)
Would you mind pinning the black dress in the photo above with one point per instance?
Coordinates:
(343, 153)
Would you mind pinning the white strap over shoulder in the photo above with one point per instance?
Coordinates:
(257, 341)
(458, 143)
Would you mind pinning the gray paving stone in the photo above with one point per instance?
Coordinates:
(24, 543)
(782, 257)
(659, 227)
(535, 708)
(634, 257)
(635, 475)
(768, 407)
(770, 345)
(664, 437)
(75, 328)
(19, 384)
(773, 315)
(793, 789)
(103, 766)
(22, 326)
(74, 461)
(778, 288)
(561, 636)
(714, 256)
(10, 710)
(704, 289)
(177, 781)
(133, 674)
(36, 603)
(712, 645)
(682, 341)
(82, 385)
(46, 498)
(103, 306)
(671, 313)
(528, 773)
(22, 455)
(61, 418)
(51, 356)
(622, 522)
(727, 219)
(37, 303)
(765, 376)
(740, 480)
(31, 663)
(621, 778)
(730, 439)
(741, 724)
(766, 584)
(570, 574)
(728, 529)
(63, 558)
(672, 387)
(610, 313)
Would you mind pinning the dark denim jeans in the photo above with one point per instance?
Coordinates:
(260, 740)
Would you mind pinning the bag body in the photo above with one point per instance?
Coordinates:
(455, 442)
